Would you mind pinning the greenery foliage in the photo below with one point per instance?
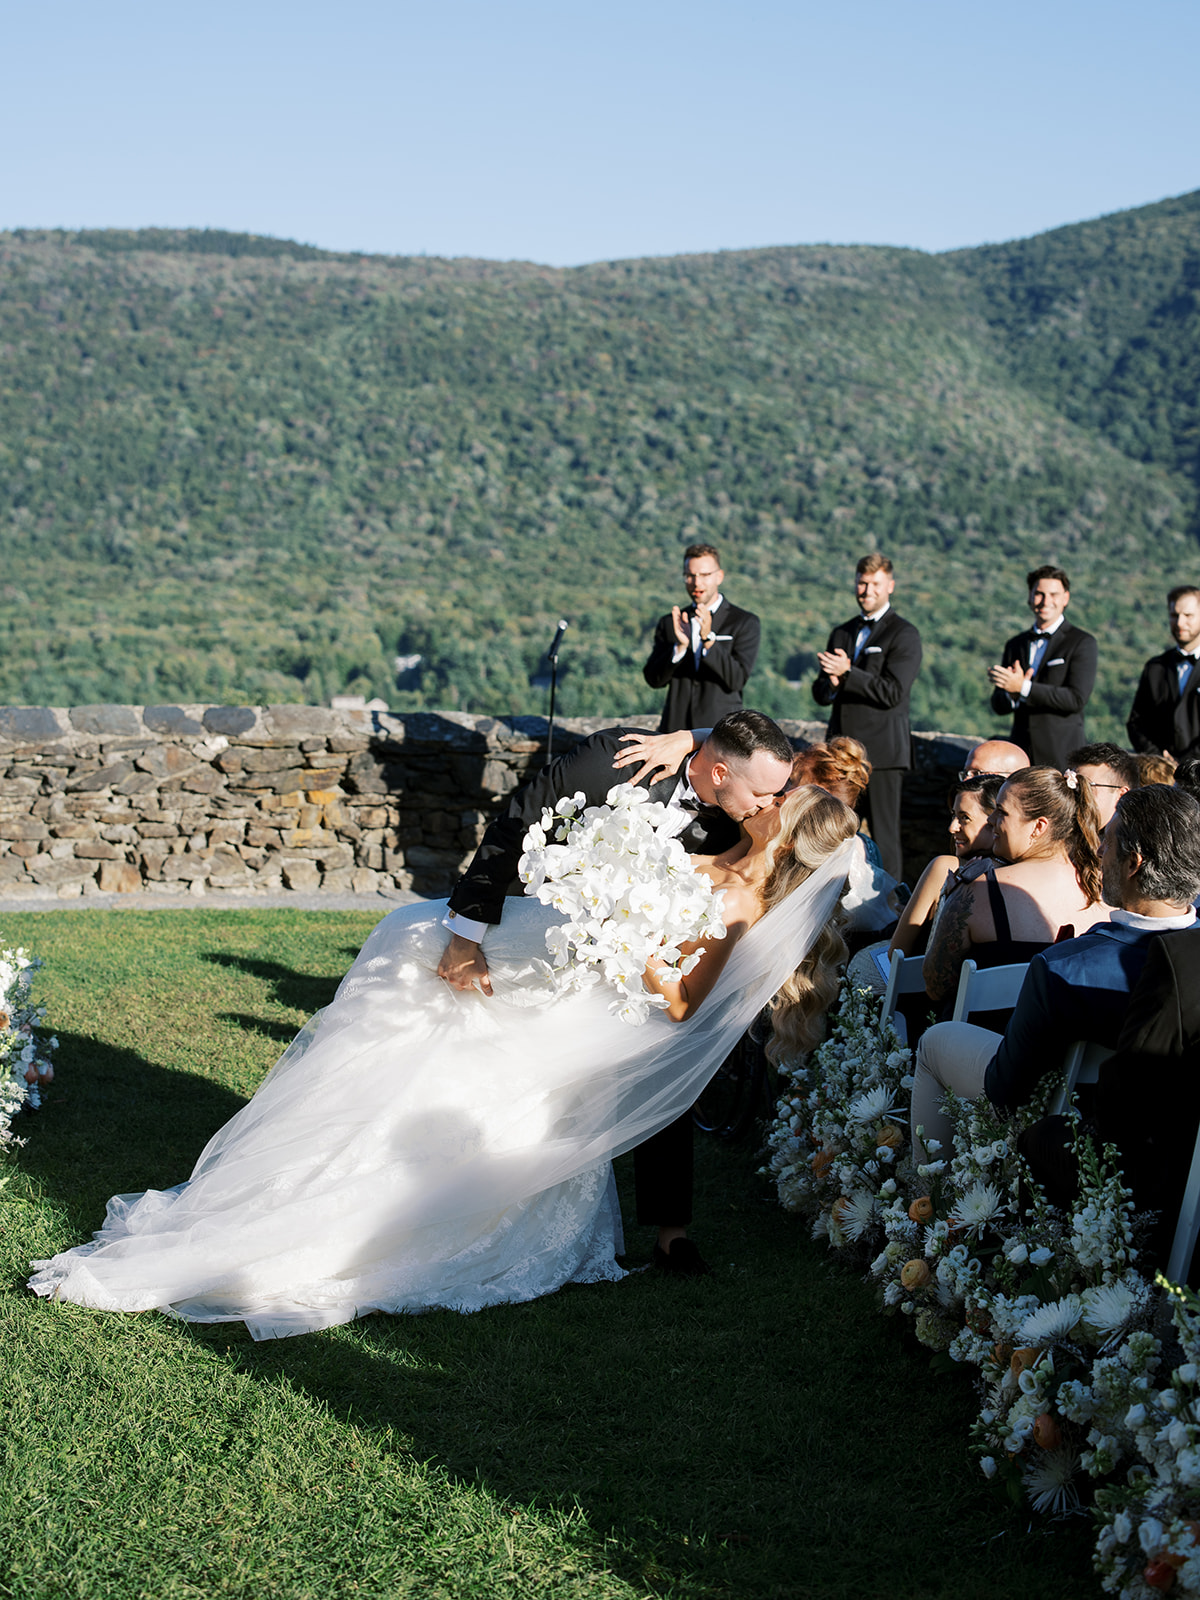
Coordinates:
(240, 469)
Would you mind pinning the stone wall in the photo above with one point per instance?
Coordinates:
(243, 800)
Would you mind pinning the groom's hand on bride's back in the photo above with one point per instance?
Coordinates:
(463, 965)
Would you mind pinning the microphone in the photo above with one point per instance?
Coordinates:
(552, 653)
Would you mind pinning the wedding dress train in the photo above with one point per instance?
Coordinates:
(419, 1147)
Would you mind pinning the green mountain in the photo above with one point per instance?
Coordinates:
(241, 469)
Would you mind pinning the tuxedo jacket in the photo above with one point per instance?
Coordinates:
(698, 696)
(1075, 990)
(1148, 1094)
(1161, 718)
(871, 702)
(1048, 723)
(492, 873)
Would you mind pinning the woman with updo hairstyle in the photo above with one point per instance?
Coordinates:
(842, 769)
(1044, 886)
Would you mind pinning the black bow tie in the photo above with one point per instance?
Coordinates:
(867, 622)
(697, 808)
(1040, 633)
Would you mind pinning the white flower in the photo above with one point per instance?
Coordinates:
(1122, 1527)
(1016, 1252)
(871, 1105)
(1049, 1482)
(1108, 1308)
(988, 1466)
(1052, 1321)
(977, 1207)
(857, 1215)
(1041, 1256)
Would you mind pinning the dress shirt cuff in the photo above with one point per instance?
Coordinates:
(465, 927)
(680, 651)
(1025, 688)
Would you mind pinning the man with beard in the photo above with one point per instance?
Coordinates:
(1165, 717)
(1078, 989)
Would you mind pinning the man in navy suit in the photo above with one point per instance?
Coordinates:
(1078, 989)
(1165, 716)
(867, 673)
(1046, 675)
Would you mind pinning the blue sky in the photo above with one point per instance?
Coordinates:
(580, 132)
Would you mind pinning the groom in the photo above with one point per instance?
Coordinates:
(739, 769)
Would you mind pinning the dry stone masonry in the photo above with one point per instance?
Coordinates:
(246, 800)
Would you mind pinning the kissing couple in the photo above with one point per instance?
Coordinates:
(442, 1134)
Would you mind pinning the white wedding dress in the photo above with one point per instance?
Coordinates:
(418, 1147)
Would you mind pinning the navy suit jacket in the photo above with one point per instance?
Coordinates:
(1075, 990)
(871, 702)
(1048, 722)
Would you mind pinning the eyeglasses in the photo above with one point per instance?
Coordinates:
(1121, 786)
(972, 773)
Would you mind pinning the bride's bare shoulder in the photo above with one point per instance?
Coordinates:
(741, 906)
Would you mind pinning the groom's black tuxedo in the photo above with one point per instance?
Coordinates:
(492, 874)
(663, 1165)
(1161, 718)
(1048, 722)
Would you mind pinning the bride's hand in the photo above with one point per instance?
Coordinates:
(661, 754)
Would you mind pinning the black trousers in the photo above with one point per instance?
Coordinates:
(662, 1176)
(881, 807)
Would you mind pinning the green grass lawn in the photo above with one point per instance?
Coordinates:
(762, 1433)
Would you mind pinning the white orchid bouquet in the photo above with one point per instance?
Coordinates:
(25, 1064)
(628, 891)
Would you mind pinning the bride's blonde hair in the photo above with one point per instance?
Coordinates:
(812, 824)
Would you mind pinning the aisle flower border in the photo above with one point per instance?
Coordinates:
(26, 1067)
(1070, 1340)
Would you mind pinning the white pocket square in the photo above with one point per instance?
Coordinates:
(1059, 661)
(873, 650)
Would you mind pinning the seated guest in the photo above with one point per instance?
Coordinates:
(1155, 769)
(994, 758)
(1078, 989)
(841, 768)
(1187, 776)
(1111, 772)
(971, 807)
(1047, 879)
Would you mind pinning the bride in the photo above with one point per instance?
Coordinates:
(418, 1146)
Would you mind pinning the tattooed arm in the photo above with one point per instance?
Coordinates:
(950, 945)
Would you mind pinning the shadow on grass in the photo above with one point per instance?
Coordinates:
(118, 1124)
(302, 991)
(733, 1436)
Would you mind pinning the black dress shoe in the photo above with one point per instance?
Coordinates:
(682, 1259)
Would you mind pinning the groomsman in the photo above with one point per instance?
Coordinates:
(867, 673)
(704, 652)
(1165, 719)
(1047, 674)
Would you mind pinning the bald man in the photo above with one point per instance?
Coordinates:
(994, 758)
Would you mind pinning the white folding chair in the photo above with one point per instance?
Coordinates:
(906, 976)
(1187, 1228)
(987, 989)
(1081, 1065)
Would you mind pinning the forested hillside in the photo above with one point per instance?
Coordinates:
(239, 469)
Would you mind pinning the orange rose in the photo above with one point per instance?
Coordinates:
(890, 1135)
(921, 1209)
(1159, 1575)
(1046, 1431)
(914, 1273)
(822, 1162)
(1023, 1358)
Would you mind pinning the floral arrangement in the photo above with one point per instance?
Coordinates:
(627, 889)
(1050, 1309)
(25, 1065)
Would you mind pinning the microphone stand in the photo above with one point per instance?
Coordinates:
(552, 658)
